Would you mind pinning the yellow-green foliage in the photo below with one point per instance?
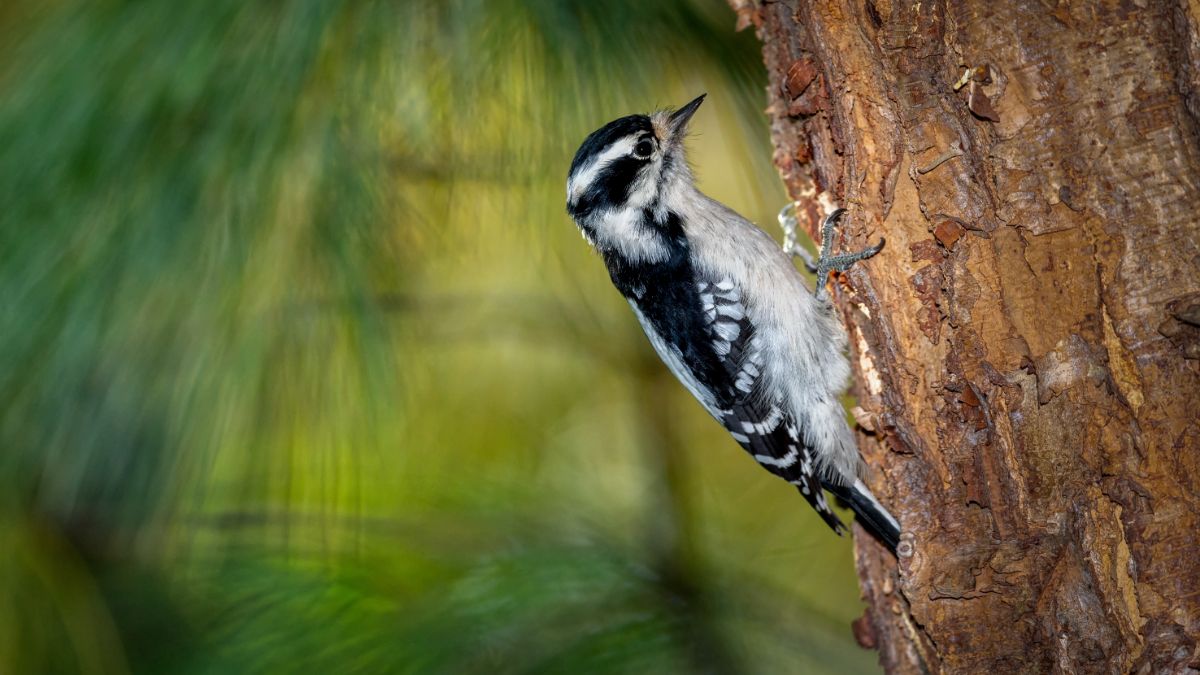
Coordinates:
(303, 367)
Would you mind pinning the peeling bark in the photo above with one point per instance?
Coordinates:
(1027, 343)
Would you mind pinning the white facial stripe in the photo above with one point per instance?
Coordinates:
(584, 177)
(623, 230)
(645, 187)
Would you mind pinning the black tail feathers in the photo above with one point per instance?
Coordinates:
(871, 514)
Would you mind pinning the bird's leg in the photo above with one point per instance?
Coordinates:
(791, 246)
(828, 262)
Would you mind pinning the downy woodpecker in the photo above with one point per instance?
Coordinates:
(725, 308)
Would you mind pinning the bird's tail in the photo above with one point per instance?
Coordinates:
(871, 514)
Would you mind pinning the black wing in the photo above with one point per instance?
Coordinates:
(753, 416)
(701, 330)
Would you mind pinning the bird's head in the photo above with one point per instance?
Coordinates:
(631, 166)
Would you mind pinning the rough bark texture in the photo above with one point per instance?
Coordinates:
(1027, 341)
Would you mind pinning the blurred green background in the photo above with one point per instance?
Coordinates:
(303, 368)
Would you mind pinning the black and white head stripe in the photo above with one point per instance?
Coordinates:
(607, 164)
(628, 161)
(620, 180)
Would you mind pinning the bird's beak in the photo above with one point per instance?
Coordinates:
(679, 119)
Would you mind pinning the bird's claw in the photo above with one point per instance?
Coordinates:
(827, 262)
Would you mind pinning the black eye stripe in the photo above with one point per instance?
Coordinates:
(618, 179)
(603, 138)
(611, 187)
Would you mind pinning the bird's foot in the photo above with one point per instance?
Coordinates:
(828, 262)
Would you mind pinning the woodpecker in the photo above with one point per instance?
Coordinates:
(725, 308)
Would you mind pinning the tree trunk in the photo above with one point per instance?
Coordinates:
(1026, 344)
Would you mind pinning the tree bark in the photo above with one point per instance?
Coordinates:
(1026, 344)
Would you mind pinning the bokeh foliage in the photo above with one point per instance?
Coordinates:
(303, 368)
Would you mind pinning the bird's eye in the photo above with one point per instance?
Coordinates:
(643, 148)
